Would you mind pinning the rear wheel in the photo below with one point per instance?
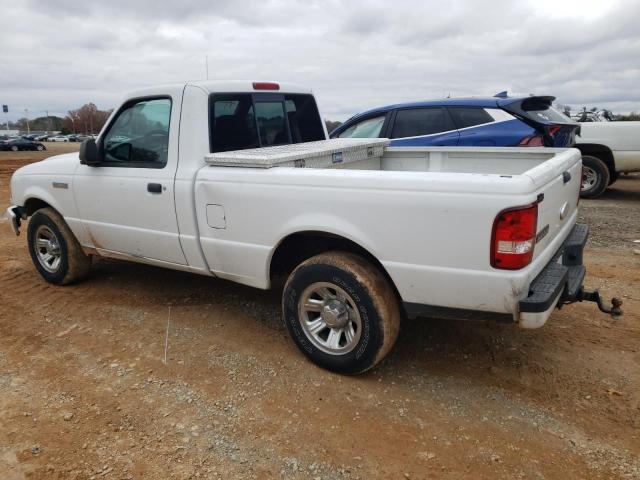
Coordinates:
(595, 177)
(341, 311)
(14, 148)
(54, 249)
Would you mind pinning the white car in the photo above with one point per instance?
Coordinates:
(58, 138)
(363, 233)
(608, 149)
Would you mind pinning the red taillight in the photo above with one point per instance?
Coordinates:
(533, 141)
(514, 237)
(553, 129)
(266, 86)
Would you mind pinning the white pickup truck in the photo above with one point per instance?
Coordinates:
(608, 149)
(237, 181)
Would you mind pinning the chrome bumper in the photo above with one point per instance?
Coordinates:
(15, 215)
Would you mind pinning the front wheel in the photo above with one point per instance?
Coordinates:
(341, 311)
(54, 249)
(14, 148)
(40, 148)
(595, 177)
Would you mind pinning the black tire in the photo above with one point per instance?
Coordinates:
(371, 297)
(596, 173)
(40, 148)
(15, 148)
(73, 263)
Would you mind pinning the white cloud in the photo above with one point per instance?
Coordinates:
(355, 54)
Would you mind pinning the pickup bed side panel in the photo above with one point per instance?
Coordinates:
(622, 138)
(430, 231)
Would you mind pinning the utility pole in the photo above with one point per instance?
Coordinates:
(206, 62)
(26, 115)
(48, 121)
(5, 109)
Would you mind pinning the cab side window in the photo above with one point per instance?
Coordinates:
(139, 136)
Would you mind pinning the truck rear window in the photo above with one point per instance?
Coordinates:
(243, 120)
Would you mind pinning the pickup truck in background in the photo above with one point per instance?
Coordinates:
(236, 180)
(608, 149)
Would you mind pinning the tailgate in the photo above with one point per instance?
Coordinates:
(559, 181)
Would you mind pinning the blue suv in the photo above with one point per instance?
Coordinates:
(472, 122)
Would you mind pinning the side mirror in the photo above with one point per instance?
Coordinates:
(89, 154)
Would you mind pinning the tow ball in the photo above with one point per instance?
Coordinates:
(594, 296)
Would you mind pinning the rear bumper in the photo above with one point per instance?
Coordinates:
(559, 282)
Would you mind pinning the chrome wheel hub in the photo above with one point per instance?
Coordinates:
(329, 318)
(335, 314)
(589, 178)
(48, 249)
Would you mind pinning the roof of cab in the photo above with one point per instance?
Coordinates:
(215, 86)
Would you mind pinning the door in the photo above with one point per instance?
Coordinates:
(126, 202)
(423, 127)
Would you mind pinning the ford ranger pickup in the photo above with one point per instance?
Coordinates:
(237, 180)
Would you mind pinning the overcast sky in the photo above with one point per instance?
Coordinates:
(59, 54)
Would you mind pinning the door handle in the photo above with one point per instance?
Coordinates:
(154, 188)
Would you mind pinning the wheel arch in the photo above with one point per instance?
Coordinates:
(33, 204)
(603, 152)
(299, 246)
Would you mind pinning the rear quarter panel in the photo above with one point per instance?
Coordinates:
(499, 134)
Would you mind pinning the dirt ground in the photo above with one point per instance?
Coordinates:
(85, 392)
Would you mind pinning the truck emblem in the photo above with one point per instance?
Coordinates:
(336, 157)
(542, 233)
(563, 210)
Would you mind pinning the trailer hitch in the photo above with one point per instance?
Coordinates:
(594, 296)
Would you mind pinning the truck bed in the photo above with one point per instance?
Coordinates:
(425, 213)
(375, 154)
(492, 161)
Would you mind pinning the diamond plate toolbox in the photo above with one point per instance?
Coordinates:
(321, 154)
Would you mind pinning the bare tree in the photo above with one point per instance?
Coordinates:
(87, 119)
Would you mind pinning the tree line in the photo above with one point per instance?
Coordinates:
(87, 119)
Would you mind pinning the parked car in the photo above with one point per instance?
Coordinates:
(21, 144)
(364, 234)
(586, 116)
(478, 122)
(41, 138)
(608, 149)
(58, 138)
